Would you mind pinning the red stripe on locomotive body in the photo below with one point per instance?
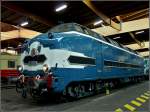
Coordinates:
(9, 73)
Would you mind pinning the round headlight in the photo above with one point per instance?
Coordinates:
(45, 68)
(20, 68)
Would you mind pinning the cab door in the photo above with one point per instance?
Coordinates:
(97, 49)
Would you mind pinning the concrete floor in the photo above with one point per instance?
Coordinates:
(11, 101)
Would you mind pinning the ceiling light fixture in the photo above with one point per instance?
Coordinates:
(139, 32)
(24, 23)
(116, 38)
(98, 22)
(62, 7)
(10, 47)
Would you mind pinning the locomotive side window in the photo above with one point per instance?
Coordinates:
(11, 64)
(111, 41)
(107, 40)
(114, 42)
(78, 28)
(119, 64)
(85, 31)
(81, 60)
(120, 45)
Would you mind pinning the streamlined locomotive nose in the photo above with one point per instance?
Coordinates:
(38, 80)
(37, 63)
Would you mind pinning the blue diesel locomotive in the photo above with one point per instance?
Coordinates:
(74, 61)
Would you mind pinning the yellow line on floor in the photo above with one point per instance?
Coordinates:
(119, 110)
(145, 97)
(136, 103)
(146, 94)
(141, 99)
(129, 107)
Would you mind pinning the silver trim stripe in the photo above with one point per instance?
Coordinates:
(70, 32)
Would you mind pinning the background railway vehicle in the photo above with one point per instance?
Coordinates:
(74, 61)
(8, 67)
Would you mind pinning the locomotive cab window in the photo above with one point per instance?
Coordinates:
(36, 59)
(11, 64)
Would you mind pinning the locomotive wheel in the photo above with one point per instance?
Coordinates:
(97, 88)
(68, 92)
(76, 91)
(82, 91)
(79, 91)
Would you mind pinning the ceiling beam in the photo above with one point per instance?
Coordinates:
(6, 27)
(102, 16)
(144, 54)
(26, 13)
(141, 44)
(135, 14)
(23, 33)
(142, 50)
(142, 15)
(129, 26)
(136, 46)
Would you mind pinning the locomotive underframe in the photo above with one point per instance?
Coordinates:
(75, 90)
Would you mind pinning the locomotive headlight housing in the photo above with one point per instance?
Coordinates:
(20, 68)
(45, 68)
